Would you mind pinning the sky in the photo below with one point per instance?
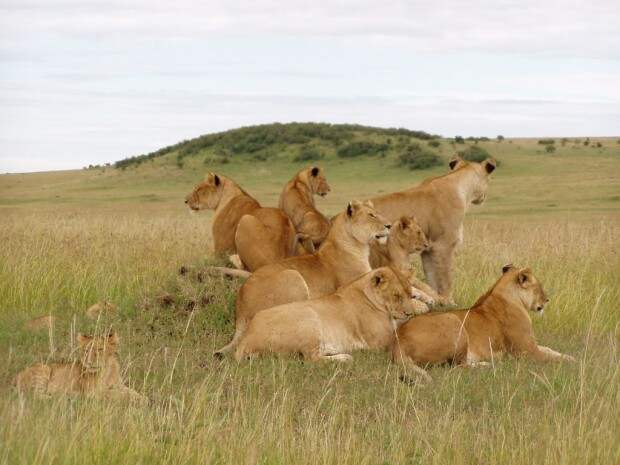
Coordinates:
(88, 82)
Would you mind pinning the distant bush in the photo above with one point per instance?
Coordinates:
(550, 148)
(359, 148)
(416, 157)
(434, 143)
(564, 141)
(218, 159)
(500, 138)
(599, 145)
(308, 153)
(459, 139)
(546, 141)
(474, 153)
(586, 142)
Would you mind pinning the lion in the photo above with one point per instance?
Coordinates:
(439, 205)
(342, 257)
(297, 201)
(406, 238)
(497, 324)
(257, 235)
(97, 372)
(361, 315)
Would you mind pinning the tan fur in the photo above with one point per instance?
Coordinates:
(100, 308)
(497, 324)
(406, 239)
(297, 201)
(240, 225)
(361, 315)
(439, 205)
(97, 371)
(342, 257)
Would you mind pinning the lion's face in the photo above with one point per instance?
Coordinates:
(409, 235)
(527, 287)
(365, 223)
(96, 350)
(318, 181)
(207, 194)
(394, 293)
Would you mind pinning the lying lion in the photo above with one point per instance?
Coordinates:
(297, 201)
(497, 324)
(360, 315)
(97, 372)
(342, 257)
(256, 234)
(439, 205)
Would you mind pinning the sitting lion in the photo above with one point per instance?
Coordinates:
(97, 372)
(439, 205)
(360, 315)
(342, 257)
(406, 238)
(497, 324)
(297, 201)
(258, 235)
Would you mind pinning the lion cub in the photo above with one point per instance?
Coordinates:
(97, 371)
(406, 239)
(497, 324)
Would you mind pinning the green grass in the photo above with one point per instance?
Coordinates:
(72, 238)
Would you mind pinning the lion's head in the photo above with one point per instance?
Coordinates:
(207, 194)
(407, 234)
(317, 182)
(97, 350)
(523, 286)
(389, 291)
(365, 223)
(482, 169)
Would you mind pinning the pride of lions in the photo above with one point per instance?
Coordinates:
(325, 287)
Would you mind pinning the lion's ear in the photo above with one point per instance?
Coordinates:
(314, 172)
(507, 267)
(378, 279)
(216, 180)
(353, 207)
(524, 277)
(113, 338)
(405, 222)
(489, 165)
(454, 162)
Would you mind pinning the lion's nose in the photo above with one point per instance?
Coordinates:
(387, 226)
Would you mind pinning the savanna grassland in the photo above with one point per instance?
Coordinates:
(69, 239)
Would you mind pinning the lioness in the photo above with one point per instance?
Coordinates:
(297, 201)
(439, 205)
(342, 257)
(258, 235)
(406, 238)
(361, 315)
(497, 324)
(98, 371)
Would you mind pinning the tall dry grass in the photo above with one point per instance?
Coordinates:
(285, 411)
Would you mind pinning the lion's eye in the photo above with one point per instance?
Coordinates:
(372, 215)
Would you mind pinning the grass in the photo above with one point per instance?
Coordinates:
(72, 238)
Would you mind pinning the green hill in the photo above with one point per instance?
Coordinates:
(292, 141)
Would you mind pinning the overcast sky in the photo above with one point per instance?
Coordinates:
(95, 81)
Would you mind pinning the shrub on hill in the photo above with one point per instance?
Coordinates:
(416, 157)
(459, 139)
(550, 148)
(308, 153)
(359, 148)
(474, 153)
(500, 138)
(434, 143)
(546, 141)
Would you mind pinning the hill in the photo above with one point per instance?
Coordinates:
(295, 141)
